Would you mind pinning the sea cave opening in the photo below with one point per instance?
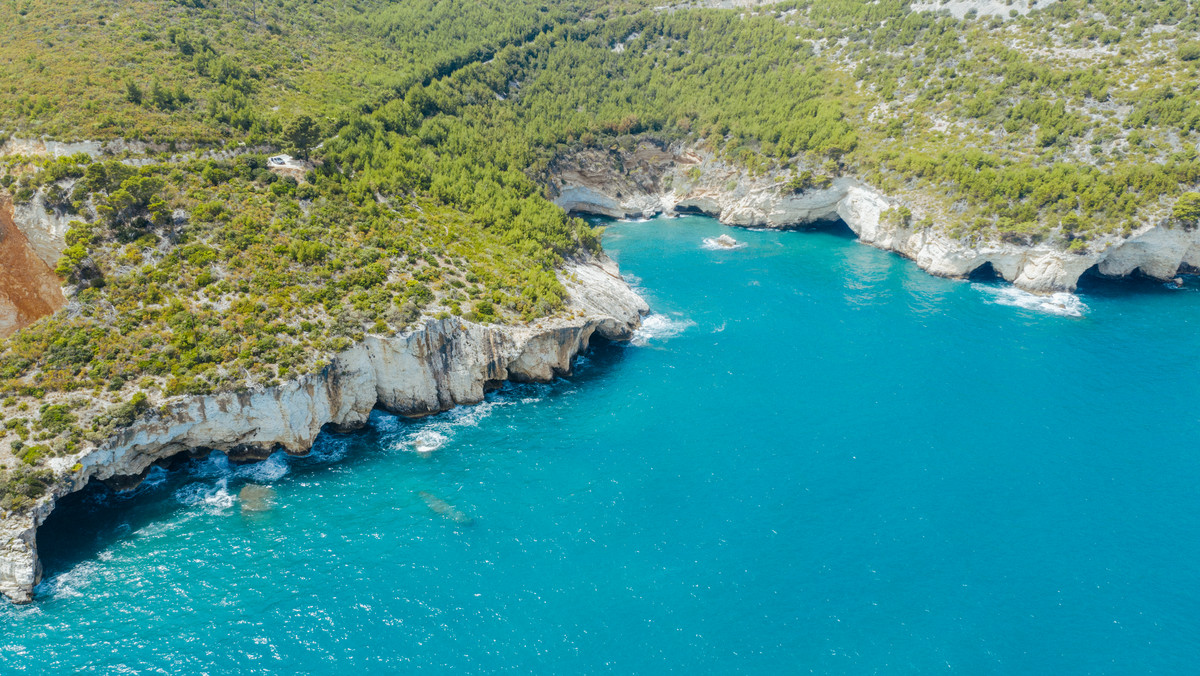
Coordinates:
(985, 273)
(1095, 283)
(830, 226)
(103, 513)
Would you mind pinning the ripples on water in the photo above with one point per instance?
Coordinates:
(831, 463)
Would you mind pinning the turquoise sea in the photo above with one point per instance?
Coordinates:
(817, 459)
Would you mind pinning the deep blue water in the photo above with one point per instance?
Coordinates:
(837, 464)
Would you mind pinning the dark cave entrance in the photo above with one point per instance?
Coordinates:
(985, 273)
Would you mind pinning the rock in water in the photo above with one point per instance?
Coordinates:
(722, 242)
(446, 509)
(436, 366)
(256, 498)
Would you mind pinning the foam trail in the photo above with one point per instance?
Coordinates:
(329, 448)
(215, 465)
(273, 468)
(657, 327)
(435, 433)
(68, 584)
(214, 498)
(156, 477)
(1062, 303)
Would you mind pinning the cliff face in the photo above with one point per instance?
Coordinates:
(29, 289)
(650, 180)
(438, 366)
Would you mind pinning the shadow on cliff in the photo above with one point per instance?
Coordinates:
(835, 227)
(985, 274)
(1093, 283)
(87, 522)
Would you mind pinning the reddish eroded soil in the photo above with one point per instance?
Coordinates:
(29, 289)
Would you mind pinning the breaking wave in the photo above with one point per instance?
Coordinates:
(658, 328)
(213, 498)
(328, 449)
(427, 441)
(434, 433)
(1062, 304)
(69, 583)
(273, 468)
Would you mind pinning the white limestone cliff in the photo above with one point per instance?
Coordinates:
(652, 179)
(439, 365)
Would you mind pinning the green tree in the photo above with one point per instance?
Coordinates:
(1187, 209)
(133, 92)
(301, 134)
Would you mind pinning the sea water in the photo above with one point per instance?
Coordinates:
(813, 458)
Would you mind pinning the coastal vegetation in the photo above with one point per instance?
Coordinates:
(425, 127)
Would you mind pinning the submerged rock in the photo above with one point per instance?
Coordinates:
(436, 366)
(440, 506)
(256, 498)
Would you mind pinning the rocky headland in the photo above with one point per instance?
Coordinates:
(654, 178)
(434, 367)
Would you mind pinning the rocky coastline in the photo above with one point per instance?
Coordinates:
(655, 178)
(436, 366)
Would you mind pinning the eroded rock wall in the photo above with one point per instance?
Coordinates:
(441, 364)
(29, 289)
(652, 179)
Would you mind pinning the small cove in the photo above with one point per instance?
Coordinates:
(815, 456)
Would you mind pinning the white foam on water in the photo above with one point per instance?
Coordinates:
(472, 415)
(426, 441)
(273, 468)
(329, 449)
(156, 477)
(1062, 304)
(215, 465)
(658, 328)
(434, 433)
(213, 498)
(70, 583)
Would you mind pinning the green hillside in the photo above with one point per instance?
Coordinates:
(197, 269)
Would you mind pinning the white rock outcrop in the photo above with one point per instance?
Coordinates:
(441, 364)
(652, 179)
(44, 230)
(961, 8)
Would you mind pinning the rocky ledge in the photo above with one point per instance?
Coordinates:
(442, 364)
(652, 179)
